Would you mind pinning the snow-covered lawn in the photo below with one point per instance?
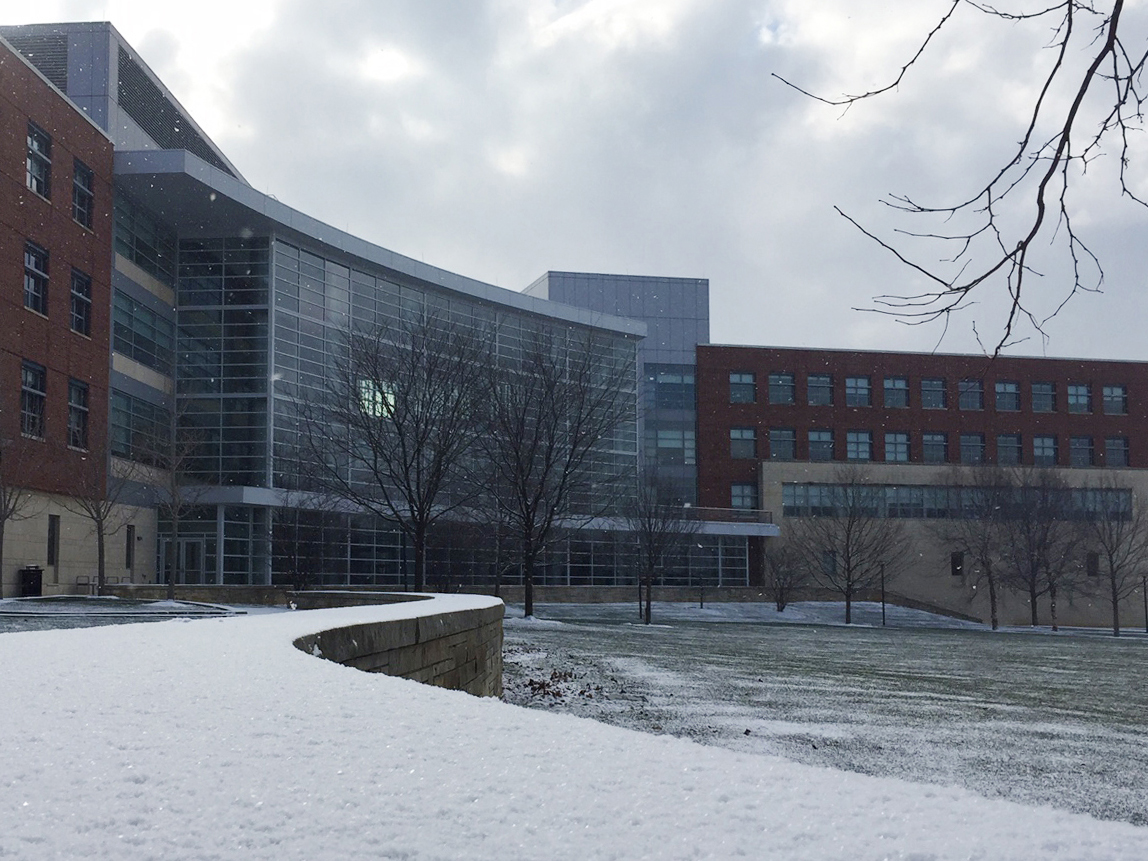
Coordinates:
(1057, 720)
(217, 739)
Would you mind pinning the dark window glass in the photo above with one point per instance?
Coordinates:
(141, 334)
(1116, 451)
(897, 447)
(743, 496)
(781, 389)
(934, 447)
(674, 391)
(782, 444)
(1009, 449)
(971, 395)
(33, 396)
(957, 563)
(1044, 397)
(676, 446)
(933, 394)
(972, 448)
(820, 390)
(1079, 398)
(81, 303)
(77, 414)
(83, 198)
(821, 445)
(858, 392)
(1080, 451)
(1116, 400)
(35, 278)
(39, 163)
(1008, 396)
(742, 388)
(896, 392)
(859, 445)
(742, 443)
(1044, 450)
(53, 551)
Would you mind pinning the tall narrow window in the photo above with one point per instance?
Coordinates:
(933, 394)
(896, 392)
(1115, 400)
(33, 394)
(781, 389)
(971, 395)
(83, 197)
(81, 303)
(819, 390)
(130, 547)
(742, 443)
(782, 444)
(35, 278)
(742, 388)
(957, 563)
(858, 392)
(53, 554)
(39, 161)
(77, 414)
(1092, 564)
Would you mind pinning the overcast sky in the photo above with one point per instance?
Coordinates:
(502, 138)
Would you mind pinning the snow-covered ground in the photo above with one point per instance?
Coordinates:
(1057, 720)
(217, 739)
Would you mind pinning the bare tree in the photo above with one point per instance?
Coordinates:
(784, 574)
(554, 407)
(16, 503)
(978, 532)
(1089, 101)
(848, 544)
(1039, 538)
(101, 497)
(398, 423)
(1115, 528)
(175, 452)
(661, 527)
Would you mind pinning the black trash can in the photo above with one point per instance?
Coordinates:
(31, 581)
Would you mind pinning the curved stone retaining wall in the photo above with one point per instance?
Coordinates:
(459, 649)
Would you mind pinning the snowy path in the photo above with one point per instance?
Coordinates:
(216, 739)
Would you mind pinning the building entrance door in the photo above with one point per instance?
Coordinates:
(188, 560)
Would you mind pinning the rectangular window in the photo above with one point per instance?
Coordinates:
(1092, 564)
(1116, 451)
(742, 388)
(33, 395)
(971, 395)
(1008, 396)
(35, 278)
(130, 547)
(77, 414)
(39, 161)
(1008, 449)
(676, 447)
(1044, 450)
(933, 394)
(1080, 451)
(1044, 397)
(829, 563)
(53, 554)
(1079, 398)
(896, 392)
(141, 334)
(821, 445)
(781, 389)
(957, 563)
(897, 447)
(858, 392)
(782, 443)
(859, 445)
(972, 448)
(83, 196)
(674, 391)
(1115, 400)
(935, 447)
(742, 443)
(820, 390)
(81, 303)
(743, 496)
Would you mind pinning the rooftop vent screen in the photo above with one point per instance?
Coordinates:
(48, 53)
(145, 103)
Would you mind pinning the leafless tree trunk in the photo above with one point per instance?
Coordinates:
(1115, 527)
(554, 408)
(102, 502)
(1090, 101)
(15, 502)
(398, 425)
(660, 526)
(784, 573)
(848, 550)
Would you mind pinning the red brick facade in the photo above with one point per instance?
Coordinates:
(718, 470)
(50, 464)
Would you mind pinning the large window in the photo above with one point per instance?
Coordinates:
(35, 278)
(859, 445)
(140, 431)
(935, 447)
(77, 414)
(1079, 398)
(1044, 450)
(933, 394)
(820, 390)
(1044, 397)
(676, 447)
(144, 240)
(1115, 400)
(743, 496)
(971, 395)
(1116, 451)
(896, 392)
(781, 389)
(821, 445)
(39, 161)
(83, 196)
(674, 390)
(141, 334)
(1008, 396)
(33, 396)
(81, 303)
(897, 447)
(782, 443)
(742, 388)
(742, 443)
(858, 392)
(972, 448)
(1009, 449)
(1080, 451)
